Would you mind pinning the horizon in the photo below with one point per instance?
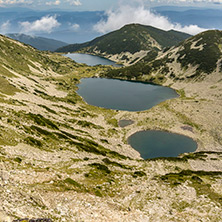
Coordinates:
(100, 5)
(72, 25)
(171, 7)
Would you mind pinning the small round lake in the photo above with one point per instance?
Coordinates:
(91, 60)
(123, 95)
(125, 122)
(152, 144)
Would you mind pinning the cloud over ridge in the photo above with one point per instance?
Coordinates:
(75, 2)
(128, 14)
(5, 26)
(57, 2)
(12, 2)
(45, 24)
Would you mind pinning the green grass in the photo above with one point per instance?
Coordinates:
(32, 141)
(113, 122)
(181, 206)
(130, 38)
(101, 167)
(184, 157)
(18, 159)
(55, 137)
(139, 174)
(41, 131)
(42, 121)
(97, 175)
(88, 124)
(48, 109)
(141, 71)
(6, 87)
(207, 58)
(8, 136)
(114, 163)
(68, 185)
(5, 72)
(72, 182)
(199, 180)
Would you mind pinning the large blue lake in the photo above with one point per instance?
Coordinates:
(123, 95)
(152, 144)
(91, 60)
(137, 96)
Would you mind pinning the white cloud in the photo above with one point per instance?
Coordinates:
(57, 2)
(12, 2)
(190, 29)
(185, 1)
(127, 14)
(75, 2)
(5, 27)
(198, 1)
(75, 26)
(45, 24)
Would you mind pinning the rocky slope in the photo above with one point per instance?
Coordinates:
(64, 160)
(192, 59)
(129, 44)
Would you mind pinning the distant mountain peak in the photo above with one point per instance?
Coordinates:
(128, 44)
(37, 42)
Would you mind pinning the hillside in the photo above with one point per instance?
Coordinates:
(65, 160)
(129, 44)
(192, 59)
(37, 42)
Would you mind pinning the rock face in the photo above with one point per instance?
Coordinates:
(129, 44)
(65, 160)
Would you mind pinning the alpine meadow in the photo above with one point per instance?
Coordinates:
(136, 141)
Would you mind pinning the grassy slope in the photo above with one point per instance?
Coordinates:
(206, 58)
(63, 159)
(131, 38)
(200, 52)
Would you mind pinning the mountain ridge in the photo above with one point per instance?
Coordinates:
(40, 43)
(194, 58)
(128, 44)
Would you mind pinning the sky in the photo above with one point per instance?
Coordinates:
(93, 5)
(138, 13)
(117, 13)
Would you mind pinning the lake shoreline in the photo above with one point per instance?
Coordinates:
(90, 59)
(154, 143)
(123, 95)
(204, 142)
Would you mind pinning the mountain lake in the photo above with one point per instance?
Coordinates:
(123, 95)
(91, 60)
(153, 144)
(137, 96)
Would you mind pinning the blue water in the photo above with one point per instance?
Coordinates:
(123, 95)
(125, 122)
(152, 144)
(91, 60)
